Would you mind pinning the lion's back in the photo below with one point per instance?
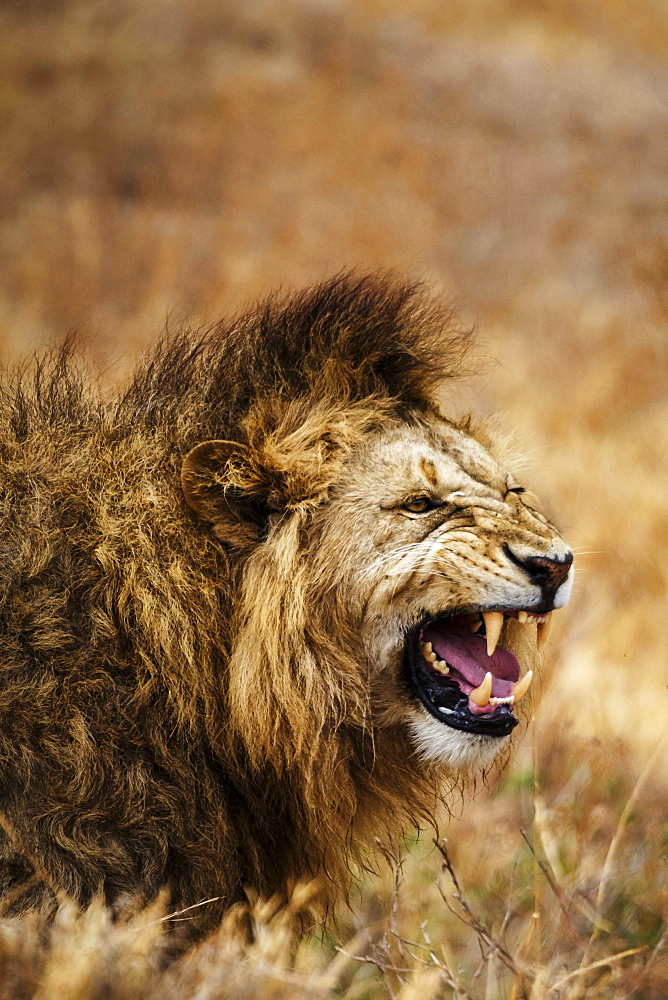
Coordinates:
(101, 784)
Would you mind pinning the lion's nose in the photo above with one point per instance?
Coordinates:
(548, 574)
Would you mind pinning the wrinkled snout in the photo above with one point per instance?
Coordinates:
(549, 573)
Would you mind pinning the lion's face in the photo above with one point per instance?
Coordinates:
(411, 575)
(449, 573)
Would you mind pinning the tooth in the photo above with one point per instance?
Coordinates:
(426, 648)
(502, 701)
(522, 617)
(493, 626)
(480, 695)
(543, 631)
(475, 625)
(441, 666)
(520, 689)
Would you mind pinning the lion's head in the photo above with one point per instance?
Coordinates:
(394, 579)
(416, 588)
(450, 573)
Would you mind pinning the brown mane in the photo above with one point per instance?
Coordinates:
(178, 706)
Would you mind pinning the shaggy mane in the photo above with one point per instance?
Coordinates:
(165, 718)
(349, 339)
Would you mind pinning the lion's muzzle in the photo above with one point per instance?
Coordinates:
(547, 573)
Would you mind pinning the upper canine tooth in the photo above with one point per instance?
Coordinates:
(493, 626)
(520, 689)
(543, 631)
(522, 617)
(481, 694)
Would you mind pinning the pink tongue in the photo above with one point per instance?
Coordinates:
(467, 653)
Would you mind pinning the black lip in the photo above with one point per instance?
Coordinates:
(435, 693)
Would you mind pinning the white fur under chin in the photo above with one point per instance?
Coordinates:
(439, 743)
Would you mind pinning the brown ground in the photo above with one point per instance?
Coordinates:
(164, 160)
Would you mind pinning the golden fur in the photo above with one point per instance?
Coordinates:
(206, 589)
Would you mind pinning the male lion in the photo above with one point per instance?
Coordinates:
(257, 610)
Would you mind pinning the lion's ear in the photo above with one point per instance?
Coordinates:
(220, 482)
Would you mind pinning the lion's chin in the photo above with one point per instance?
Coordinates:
(452, 748)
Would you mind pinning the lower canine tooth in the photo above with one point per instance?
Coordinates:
(493, 626)
(480, 695)
(543, 631)
(520, 689)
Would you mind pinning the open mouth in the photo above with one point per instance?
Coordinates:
(462, 676)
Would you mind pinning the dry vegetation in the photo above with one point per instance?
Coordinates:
(171, 158)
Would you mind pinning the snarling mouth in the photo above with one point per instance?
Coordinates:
(462, 676)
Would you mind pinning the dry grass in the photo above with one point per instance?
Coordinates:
(163, 158)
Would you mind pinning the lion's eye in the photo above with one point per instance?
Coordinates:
(419, 505)
(516, 489)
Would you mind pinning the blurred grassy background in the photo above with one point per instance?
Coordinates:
(164, 160)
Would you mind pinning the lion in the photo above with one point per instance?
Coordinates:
(260, 608)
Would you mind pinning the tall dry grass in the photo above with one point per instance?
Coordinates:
(164, 160)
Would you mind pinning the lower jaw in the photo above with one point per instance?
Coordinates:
(498, 724)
